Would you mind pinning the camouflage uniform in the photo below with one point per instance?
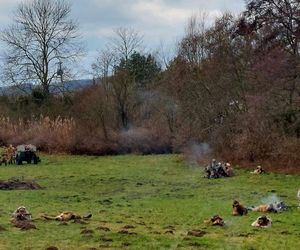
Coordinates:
(218, 170)
(21, 214)
(8, 155)
(262, 221)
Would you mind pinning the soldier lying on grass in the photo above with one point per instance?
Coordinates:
(215, 221)
(21, 213)
(273, 207)
(21, 218)
(258, 170)
(238, 209)
(66, 216)
(262, 221)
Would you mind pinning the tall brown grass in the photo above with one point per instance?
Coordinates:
(49, 135)
(66, 136)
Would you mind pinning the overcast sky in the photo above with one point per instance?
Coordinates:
(158, 20)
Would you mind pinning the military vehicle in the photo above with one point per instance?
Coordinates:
(27, 153)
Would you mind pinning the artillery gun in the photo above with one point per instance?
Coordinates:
(27, 153)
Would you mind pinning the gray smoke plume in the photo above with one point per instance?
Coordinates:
(196, 152)
(271, 199)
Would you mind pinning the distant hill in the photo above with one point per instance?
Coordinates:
(55, 88)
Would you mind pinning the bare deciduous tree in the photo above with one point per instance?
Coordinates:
(103, 66)
(118, 82)
(193, 46)
(282, 18)
(41, 37)
(279, 25)
(125, 42)
(165, 54)
(123, 90)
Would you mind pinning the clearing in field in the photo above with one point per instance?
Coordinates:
(144, 202)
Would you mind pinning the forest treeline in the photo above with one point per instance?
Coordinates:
(233, 85)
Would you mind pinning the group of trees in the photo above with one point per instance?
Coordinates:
(233, 84)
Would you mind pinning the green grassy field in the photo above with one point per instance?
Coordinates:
(161, 197)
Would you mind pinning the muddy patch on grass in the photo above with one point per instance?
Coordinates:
(51, 248)
(142, 223)
(126, 244)
(169, 227)
(105, 239)
(196, 233)
(87, 231)
(195, 244)
(19, 184)
(124, 231)
(244, 235)
(101, 228)
(282, 232)
(128, 227)
(155, 232)
(169, 232)
(80, 221)
(106, 201)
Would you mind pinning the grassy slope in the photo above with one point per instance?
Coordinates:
(151, 193)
